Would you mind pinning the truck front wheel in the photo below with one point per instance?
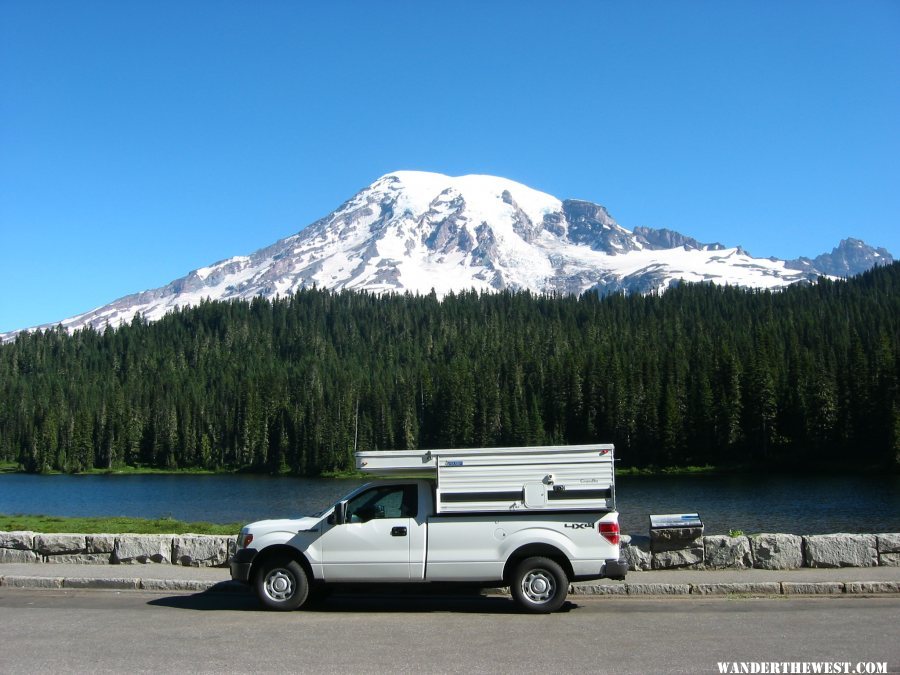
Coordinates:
(281, 584)
(539, 585)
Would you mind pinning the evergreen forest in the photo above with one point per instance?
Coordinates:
(698, 375)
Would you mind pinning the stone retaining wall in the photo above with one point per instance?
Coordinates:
(192, 550)
(766, 551)
(715, 552)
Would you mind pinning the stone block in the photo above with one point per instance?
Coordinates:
(888, 543)
(598, 589)
(636, 551)
(743, 588)
(722, 551)
(53, 544)
(889, 559)
(100, 543)
(32, 582)
(689, 557)
(675, 538)
(201, 550)
(177, 585)
(840, 550)
(142, 548)
(658, 589)
(11, 555)
(812, 587)
(79, 559)
(112, 583)
(777, 551)
(22, 540)
(872, 587)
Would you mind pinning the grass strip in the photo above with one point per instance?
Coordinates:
(113, 525)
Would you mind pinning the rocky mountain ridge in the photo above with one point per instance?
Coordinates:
(421, 232)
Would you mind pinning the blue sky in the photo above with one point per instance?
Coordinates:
(141, 140)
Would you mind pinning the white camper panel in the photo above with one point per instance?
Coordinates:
(397, 462)
(553, 480)
(578, 477)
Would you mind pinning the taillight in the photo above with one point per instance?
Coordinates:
(610, 532)
(244, 540)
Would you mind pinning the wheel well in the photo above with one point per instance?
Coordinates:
(280, 550)
(532, 550)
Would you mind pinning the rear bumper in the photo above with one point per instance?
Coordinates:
(608, 569)
(615, 569)
(241, 564)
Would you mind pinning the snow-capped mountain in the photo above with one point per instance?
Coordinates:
(416, 231)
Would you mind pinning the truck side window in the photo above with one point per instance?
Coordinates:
(383, 502)
(410, 506)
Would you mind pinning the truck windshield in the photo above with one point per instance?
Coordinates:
(346, 497)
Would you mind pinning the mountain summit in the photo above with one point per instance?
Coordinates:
(416, 231)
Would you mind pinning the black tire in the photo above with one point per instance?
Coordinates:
(539, 585)
(281, 584)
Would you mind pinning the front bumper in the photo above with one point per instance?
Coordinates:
(241, 564)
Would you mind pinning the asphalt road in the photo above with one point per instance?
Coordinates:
(108, 631)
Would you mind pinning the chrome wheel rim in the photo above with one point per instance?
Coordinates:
(539, 586)
(279, 584)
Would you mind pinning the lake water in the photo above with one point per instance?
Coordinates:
(752, 503)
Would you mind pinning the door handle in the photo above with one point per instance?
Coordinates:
(398, 531)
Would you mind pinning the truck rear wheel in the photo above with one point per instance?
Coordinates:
(539, 585)
(281, 584)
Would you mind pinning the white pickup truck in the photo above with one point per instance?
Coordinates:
(533, 519)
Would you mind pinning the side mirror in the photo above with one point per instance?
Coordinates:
(339, 517)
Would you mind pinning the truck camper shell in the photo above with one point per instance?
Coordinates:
(478, 480)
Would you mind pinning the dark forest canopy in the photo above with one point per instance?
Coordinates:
(700, 374)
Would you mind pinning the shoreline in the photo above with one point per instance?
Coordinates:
(626, 471)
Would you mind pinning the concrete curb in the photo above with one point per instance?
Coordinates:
(123, 584)
(752, 588)
(765, 588)
(614, 590)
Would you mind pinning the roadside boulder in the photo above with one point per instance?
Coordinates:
(143, 548)
(888, 543)
(686, 557)
(79, 559)
(840, 550)
(726, 552)
(200, 550)
(675, 538)
(673, 547)
(100, 543)
(777, 551)
(14, 555)
(888, 550)
(636, 551)
(55, 544)
(22, 540)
